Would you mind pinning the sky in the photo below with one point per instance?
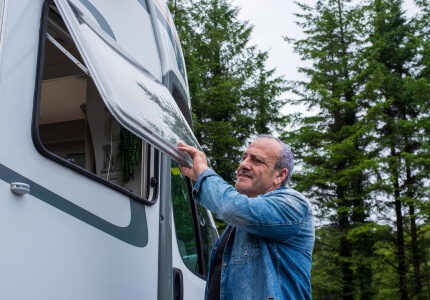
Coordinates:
(273, 19)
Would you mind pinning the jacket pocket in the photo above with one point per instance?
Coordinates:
(246, 247)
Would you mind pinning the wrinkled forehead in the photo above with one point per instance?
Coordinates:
(265, 147)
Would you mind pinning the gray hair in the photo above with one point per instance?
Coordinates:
(285, 158)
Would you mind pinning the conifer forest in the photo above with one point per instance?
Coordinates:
(362, 149)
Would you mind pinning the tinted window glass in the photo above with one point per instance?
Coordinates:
(206, 233)
(185, 231)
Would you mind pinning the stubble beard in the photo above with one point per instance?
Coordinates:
(244, 190)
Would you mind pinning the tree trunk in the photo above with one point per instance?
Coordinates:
(414, 235)
(363, 245)
(426, 267)
(400, 243)
(415, 254)
(345, 250)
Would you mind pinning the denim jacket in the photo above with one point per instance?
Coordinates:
(268, 254)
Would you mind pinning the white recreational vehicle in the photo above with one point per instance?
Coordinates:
(93, 100)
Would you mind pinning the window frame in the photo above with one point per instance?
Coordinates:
(197, 232)
(131, 88)
(152, 182)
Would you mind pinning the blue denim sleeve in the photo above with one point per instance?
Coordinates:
(278, 214)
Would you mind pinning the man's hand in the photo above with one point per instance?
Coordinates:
(199, 161)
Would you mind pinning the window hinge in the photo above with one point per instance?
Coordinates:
(67, 53)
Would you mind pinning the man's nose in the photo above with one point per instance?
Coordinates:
(244, 164)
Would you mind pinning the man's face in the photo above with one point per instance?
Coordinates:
(256, 174)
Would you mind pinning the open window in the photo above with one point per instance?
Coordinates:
(73, 126)
(103, 79)
(126, 67)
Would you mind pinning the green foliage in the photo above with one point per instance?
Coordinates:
(233, 96)
(330, 146)
(130, 153)
(183, 218)
(394, 72)
(364, 154)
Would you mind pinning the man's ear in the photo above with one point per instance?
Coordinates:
(280, 176)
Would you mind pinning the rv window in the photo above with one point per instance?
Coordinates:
(183, 218)
(125, 64)
(206, 234)
(75, 128)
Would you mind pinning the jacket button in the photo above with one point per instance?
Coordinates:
(224, 265)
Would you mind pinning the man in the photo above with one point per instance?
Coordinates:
(266, 250)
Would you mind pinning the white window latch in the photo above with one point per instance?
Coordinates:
(20, 188)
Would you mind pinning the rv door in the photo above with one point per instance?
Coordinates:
(118, 44)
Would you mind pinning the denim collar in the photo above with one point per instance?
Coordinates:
(274, 191)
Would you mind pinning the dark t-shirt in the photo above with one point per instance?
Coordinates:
(214, 284)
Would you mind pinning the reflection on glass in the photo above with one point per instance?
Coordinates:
(172, 117)
(206, 233)
(184, 225)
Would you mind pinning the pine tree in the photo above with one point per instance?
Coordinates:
(399, 95)
(233, 96)
(259, 94)
(422, 160)
(330, 145)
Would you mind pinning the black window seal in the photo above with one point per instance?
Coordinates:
(152, 180)
(35, 125)
(197, 231)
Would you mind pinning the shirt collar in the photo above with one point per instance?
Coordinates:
(275, 191)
